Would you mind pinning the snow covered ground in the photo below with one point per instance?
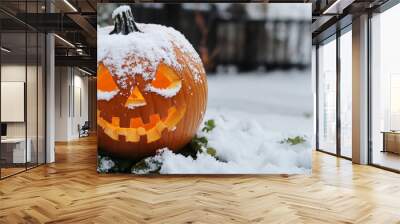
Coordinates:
(253, 113)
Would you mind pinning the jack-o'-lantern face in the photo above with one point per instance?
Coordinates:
(136, 117)
(151, 88)
(132, 103)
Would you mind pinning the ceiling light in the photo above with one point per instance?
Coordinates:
(84, 71)
(70, 5)
(64, 40)
(5, 50)
(79, 51)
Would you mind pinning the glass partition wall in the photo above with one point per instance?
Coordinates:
(334, 58)
(334, 105)
(22, 77)
(385, 89)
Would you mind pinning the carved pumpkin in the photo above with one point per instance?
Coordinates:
(151, 88)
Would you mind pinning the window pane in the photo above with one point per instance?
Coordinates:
(386, 89)
(327, 96)
(346, 94)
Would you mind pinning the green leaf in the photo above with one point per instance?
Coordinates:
(211, 151)
(209, 125)
(198, 143)
(202, 140)
(293, 140)
(146, 166)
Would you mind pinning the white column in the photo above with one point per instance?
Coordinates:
(360, 90)
(50, 99)
(50, 92)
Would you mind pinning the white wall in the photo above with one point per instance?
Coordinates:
(71, 94)
(33, 126)
(80, 109)
(12, 73)
(61, 103)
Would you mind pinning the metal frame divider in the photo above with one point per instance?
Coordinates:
(26, 87)
(317, 97)
(0, 93)
(338, 75)
(369, 78)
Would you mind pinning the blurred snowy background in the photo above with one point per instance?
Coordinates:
(247, 36)
(258, 62)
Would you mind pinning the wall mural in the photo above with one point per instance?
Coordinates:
(152, 97)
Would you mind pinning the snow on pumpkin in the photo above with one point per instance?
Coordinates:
(152, 88)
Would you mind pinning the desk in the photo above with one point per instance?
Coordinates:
(16, 147)
(391, 141)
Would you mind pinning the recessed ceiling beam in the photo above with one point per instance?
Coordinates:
(320, 22)
(84, 24)
(78, 61)
(337, 7)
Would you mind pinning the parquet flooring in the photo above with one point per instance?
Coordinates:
(11, 170)
(71, 191)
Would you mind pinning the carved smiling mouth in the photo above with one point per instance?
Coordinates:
(152, 130)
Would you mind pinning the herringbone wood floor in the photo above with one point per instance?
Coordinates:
(70, 191)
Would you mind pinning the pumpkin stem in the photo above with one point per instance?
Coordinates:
(123, 21)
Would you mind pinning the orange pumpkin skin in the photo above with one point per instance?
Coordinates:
(170, 122)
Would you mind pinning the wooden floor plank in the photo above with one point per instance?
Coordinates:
(71, 191)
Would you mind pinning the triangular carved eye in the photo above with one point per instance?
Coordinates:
(136, 99)
(105, 81)
(166, 78)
